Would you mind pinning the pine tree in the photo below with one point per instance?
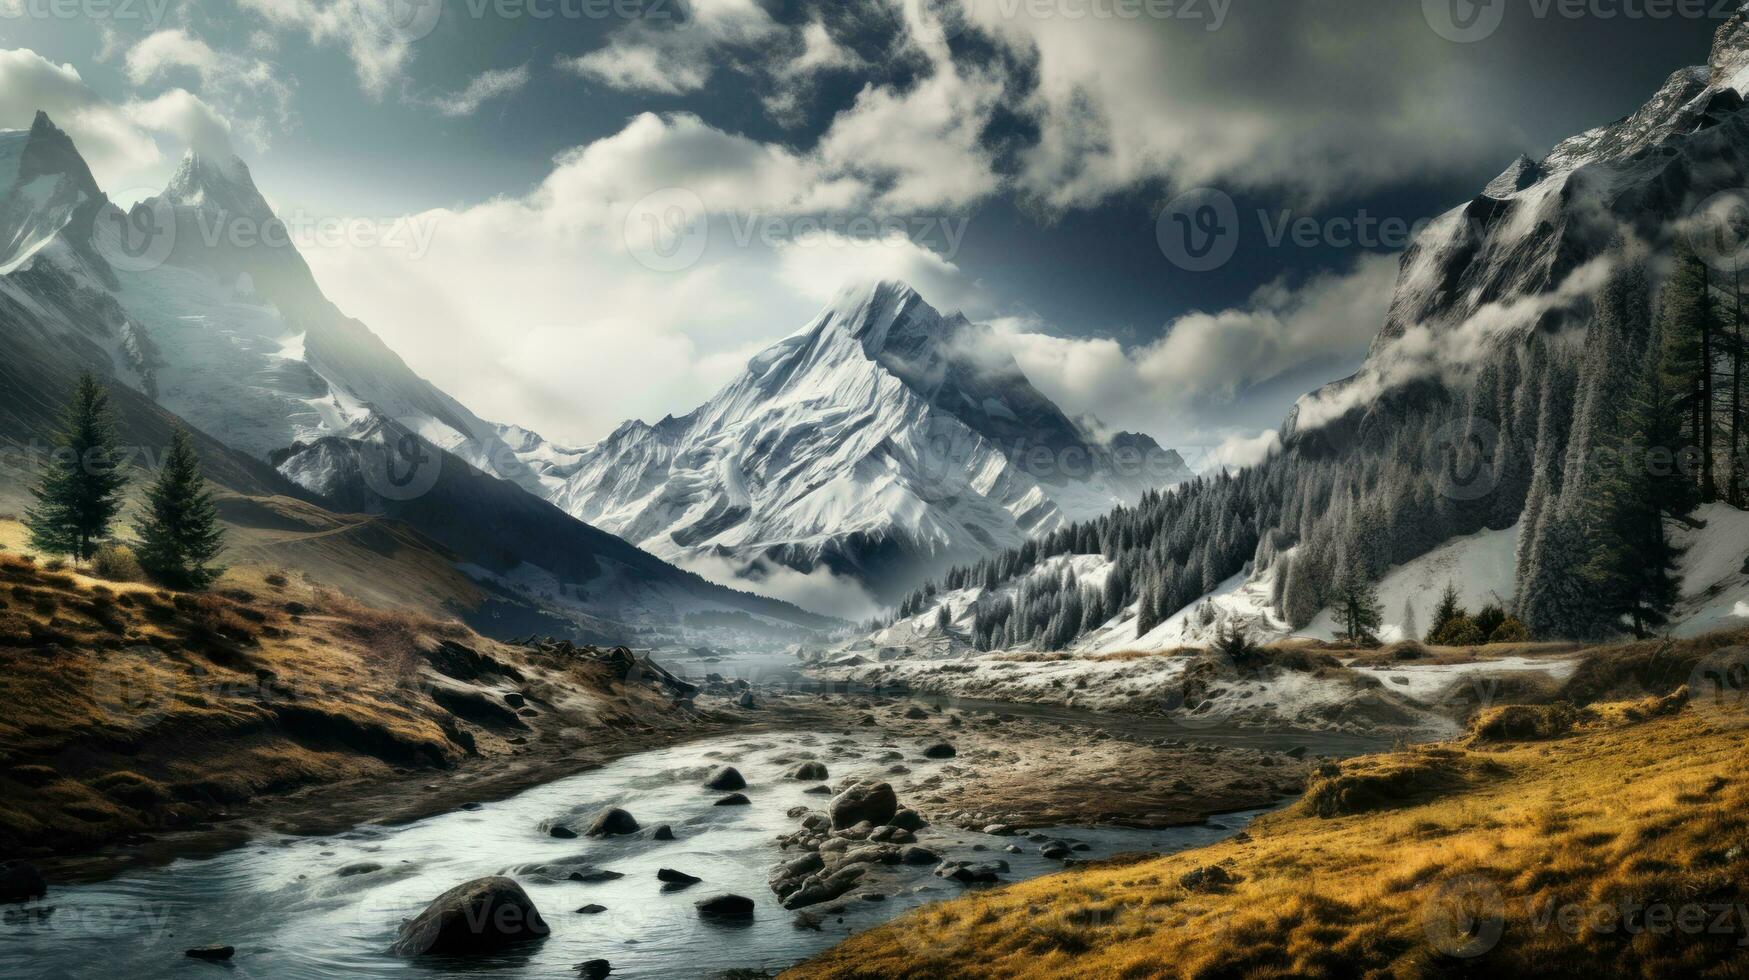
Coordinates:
(943, 621)
(81, 490)
(1632, 569)
(1410, 630)
(181, 535)
(1447, 611)
(1689, 324)
(1358, 607)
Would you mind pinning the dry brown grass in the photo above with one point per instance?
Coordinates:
(130, 708)
(1555, 837)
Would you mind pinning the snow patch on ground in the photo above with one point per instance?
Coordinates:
(1483, 566)
(1715, 589)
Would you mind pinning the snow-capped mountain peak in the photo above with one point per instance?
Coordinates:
(216, 185)
(882, 441)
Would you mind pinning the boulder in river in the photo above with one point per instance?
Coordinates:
(214, 954)
(664, 832)
(594, 969)
(874, 803)
(673, 877)
(916, 713)
(612, 822)
(725, 907)
(725, 778)
(592, 909)
(811, 771)
(1056, 850)
(20, 881)
(476, 916)
(733, 799)
(908, 819)
(940, 750)
(562, 832)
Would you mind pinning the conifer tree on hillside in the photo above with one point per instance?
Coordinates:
(1358, 607)
(181, 534)
(1690, 324)
(1632, 568)
(81, 489)
(1444, 613)
(1410, 630)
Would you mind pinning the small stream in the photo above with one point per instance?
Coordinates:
(284, 905)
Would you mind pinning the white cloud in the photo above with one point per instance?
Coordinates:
(818, 591)
(537, 309)
(484, 87)
(379, 53)
(162, 51)
(251, 93)
(675, 59)
(1179, 388)
(119, 142)
(1321, 97)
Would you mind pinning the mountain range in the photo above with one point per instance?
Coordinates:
(880, 444)
(1468, 439)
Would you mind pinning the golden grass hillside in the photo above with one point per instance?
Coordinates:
(1615, 842)
(131, 709)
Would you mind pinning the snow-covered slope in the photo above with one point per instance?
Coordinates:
(881, 442)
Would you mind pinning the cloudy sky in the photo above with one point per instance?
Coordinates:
(586, 210)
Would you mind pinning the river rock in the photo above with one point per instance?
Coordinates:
(811, 771)
(916, 713)
(594, 969)
(908, 819)
(917, 855)
(210, 953)
(20, 881)
(361, 868)
(725, 907)
(725, 778)
(1056, 850)
(824, 888)
(612, 822)
(473, 917)
(562, 832)
(673, 877)
(820, 790)
(595, 876)
(733, 799)
(875, 803)
(940, 750)
(663, 832)
(999, 830)
(592, 909)
(745, 700)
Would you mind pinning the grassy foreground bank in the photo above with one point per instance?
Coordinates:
(1609, 839)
